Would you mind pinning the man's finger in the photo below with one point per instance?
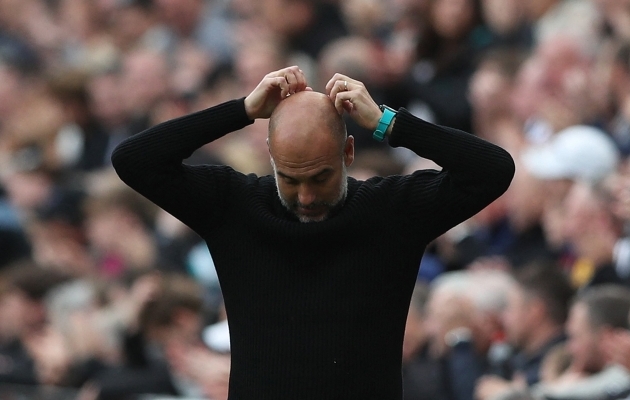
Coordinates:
(342, 99)
(338, 86)
(280, 83)
(333, 81)
(301, 81)
(292, 81)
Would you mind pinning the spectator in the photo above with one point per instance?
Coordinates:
(556, 87)
(578, 153)
(525, 205)
(491, 88)
(174, 360)
(619, 87)
(134, 24)
(457, 338)
(201, 22)
(592, 231)
(445, 58)
(312, 26)
(534, 323)
(578, 18)
(24, 321)
(422, 377)
(13, 240)
(617, 16)
(118, 227)
(113, 123)
(507, 22)
(144, 75)
(597, 316)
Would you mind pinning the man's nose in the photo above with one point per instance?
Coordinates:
(306, 195)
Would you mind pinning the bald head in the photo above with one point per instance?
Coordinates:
(310, 153)
(304, 117)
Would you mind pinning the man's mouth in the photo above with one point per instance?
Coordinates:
(310, 211)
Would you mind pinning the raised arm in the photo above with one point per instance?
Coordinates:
(151, 161)
(474, 171)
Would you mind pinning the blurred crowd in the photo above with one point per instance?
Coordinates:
(106, 296)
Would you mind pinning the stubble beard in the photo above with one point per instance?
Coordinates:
(330, 206)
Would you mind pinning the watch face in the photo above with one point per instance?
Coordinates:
(383, 107)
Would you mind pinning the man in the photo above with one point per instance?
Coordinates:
(593, 232)
(316, 268)
(457, 338)
(537, 309)
(597, 316)
(579, 153)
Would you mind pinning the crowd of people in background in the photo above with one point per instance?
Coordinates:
(105, 296)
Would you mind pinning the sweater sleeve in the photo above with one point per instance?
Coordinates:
(474, 172)
(150, 162)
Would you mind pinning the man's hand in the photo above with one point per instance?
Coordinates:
(273, 88)
(352, 96)
(491, 386)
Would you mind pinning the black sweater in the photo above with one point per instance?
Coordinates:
(316, 310)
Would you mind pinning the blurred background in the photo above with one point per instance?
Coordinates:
(105, 296)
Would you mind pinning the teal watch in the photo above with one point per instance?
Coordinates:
(384, 123)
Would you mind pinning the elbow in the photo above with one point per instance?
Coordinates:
(120, 161)
(510, 169)
(505, 172)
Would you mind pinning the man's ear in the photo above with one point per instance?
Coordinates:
(348, 151)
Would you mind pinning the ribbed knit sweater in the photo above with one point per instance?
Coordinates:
(316, 310)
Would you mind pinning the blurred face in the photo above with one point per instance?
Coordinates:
(27, 190)
(106, 99)
(516, 318)
(583, 341)
(20, 315)
(144, 79)
(274, 14)
(524, 199)
(363, 13)
(554, 212)
(537, 8)
(502, 15)
(129, 24)
(312, 182)
(489, 89)
(589, 225)
(10, 89)
(182, 15)
(12, 312)
(453, 18)
(448, 309)
(529, 84)
(617, 14)
(104, 228)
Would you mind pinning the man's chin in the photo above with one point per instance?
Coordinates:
(306, 219)
(310, 217)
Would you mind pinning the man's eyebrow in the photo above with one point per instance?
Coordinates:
(284, 175)
(322, 172)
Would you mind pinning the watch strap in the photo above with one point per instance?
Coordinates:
(384, 122)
